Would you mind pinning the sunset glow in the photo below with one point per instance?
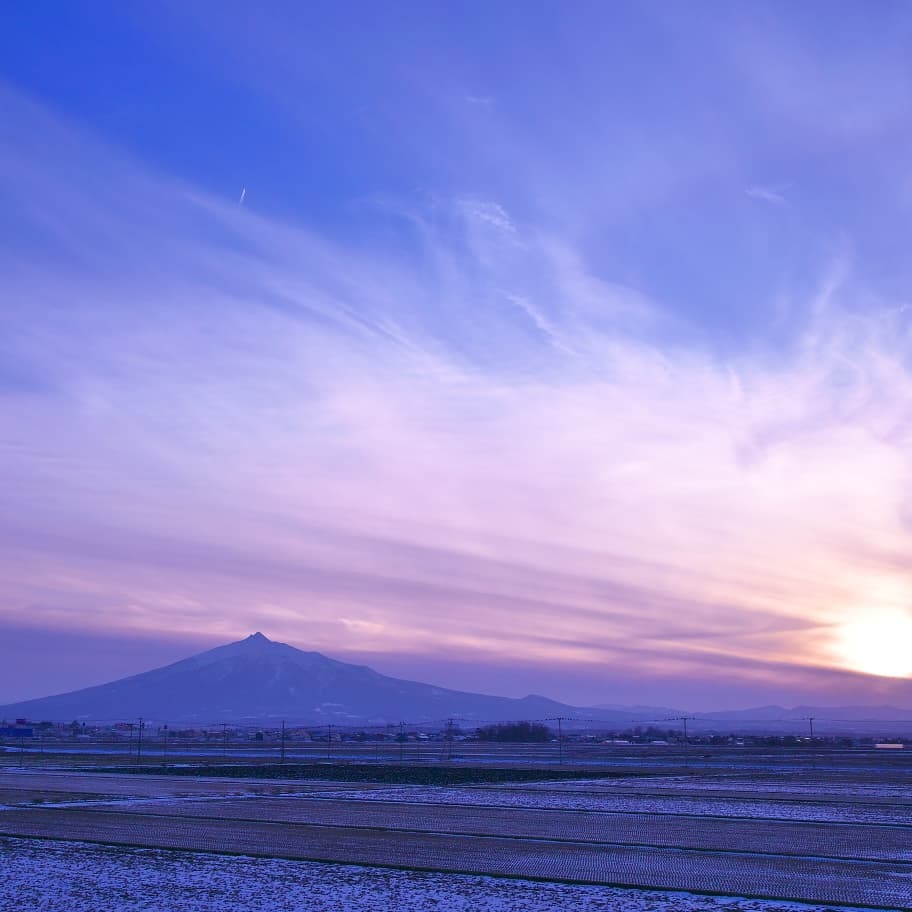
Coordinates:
(569, 393)
(880, 646)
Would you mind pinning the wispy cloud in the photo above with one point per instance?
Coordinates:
(769, 194)
(488, 212)
(474, 440)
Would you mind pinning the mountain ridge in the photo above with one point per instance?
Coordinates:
(257, 678)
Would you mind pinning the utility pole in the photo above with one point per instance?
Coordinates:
(139, 743)
(166, 744)
(329, 742)
(684, 720)
(224, 739)
(560, 739)
(811, 726)
(283, 740)
(448, 737)
(401, 740)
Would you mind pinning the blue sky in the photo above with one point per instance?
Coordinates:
(712, 139)
(545, 339)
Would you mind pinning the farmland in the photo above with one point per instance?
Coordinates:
(832, 830)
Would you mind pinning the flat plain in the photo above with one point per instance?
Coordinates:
(759, 832)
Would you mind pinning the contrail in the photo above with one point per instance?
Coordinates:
(243, 194)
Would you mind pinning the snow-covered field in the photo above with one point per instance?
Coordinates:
(784, 788)
(44, 876)
(632, 803)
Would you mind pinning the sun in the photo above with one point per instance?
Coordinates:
(880, 645)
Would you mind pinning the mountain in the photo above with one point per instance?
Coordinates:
(258, 679)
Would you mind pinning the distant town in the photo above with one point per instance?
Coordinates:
(25, 733)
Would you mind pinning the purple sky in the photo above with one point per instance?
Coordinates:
(486, 353)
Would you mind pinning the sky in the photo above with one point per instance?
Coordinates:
(525, 347)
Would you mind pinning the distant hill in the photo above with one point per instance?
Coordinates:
(800, 719)
(258, 679)
(797, 713)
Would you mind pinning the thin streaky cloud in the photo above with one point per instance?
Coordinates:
(769, 194)
(604, 391)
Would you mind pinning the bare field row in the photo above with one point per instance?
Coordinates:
(86, 783)
(677, 788)
(768, 766)
(769, 837)
(884, 884)
(14, 796)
